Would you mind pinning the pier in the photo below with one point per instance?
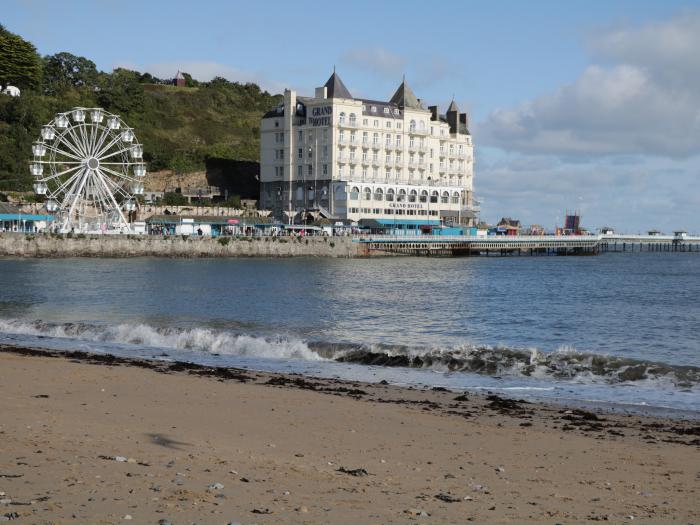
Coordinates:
(503, 245)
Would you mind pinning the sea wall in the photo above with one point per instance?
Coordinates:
(47, 245)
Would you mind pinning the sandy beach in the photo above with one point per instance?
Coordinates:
(102, 440)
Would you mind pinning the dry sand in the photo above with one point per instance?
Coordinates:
(291, 450)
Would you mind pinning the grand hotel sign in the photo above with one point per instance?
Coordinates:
(321, 116)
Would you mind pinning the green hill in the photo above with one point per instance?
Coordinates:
(180, 128)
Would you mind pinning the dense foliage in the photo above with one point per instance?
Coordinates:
(180, 128)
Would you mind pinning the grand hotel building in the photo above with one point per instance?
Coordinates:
(379, 163)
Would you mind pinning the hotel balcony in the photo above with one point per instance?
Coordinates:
(416, 131)
(349, 124)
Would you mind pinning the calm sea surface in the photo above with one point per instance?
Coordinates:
(618, 328)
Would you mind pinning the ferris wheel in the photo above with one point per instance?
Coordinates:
(90, 167)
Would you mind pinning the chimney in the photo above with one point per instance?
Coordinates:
(321, 92)
(464, 121)
(434, 113)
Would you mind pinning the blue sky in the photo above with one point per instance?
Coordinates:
(575, 104)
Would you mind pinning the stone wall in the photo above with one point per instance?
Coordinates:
(46, 245)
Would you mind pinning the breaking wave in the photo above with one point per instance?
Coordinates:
(565, 364)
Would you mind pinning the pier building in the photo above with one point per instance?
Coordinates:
(392, 163)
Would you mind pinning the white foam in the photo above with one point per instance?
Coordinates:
(195, 339)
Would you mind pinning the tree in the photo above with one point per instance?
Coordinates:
(189, 81)
(64, 70)
(20, 64)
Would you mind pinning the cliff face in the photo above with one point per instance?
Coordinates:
(19, 245)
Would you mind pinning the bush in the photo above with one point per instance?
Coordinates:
(223, 241)
(332, 244)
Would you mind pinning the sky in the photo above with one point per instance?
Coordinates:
(574, 105)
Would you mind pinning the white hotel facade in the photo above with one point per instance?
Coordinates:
(378, 163)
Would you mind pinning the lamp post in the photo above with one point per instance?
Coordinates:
(429, 197)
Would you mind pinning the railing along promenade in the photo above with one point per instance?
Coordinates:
(524, 244)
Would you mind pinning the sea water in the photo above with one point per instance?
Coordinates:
(614, 330)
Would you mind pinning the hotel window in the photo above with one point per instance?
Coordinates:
(375, 139)
(424, 196)
(341, 119)
(375, 172)
(368, 194)
(354, 193)
(421, 159)
(422, 143)
(309, 152)
(365, 137)
(300, 136)
(455, 198)
(388, 173)
(352, 136)
(396, 111)
(431, 153)
(341, 136)
(388, 123)
(325, 169)
(411, 142)
(377, 211)
(387, 140)
(340, 171)
(401, 197)
(445, 198)
(310, 137)
(434, 197)
(301, 153)
(310, 170)
(378, 194)
(352, 155)
(386, 111)
(277, 171)
(387, 158)
(412, 126)
(281, 171)
(364, 108)
(375, 156)
(364, 173)
(376, 123)
(352, 171)
(398, 158)
(398, 140)
(452, 149)
(353, 121)
(398, 173)
(411, 159)
(325, 152)
(390, 195)
(325, 134)
(398, 125)
(281, 154)
(412, 196)
(432, 130)
(373, 109)
(364, 155)
(299, 172)
(461, 149)
(365, 122)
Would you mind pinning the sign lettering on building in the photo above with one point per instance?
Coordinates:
(321, 116)
(406, 205)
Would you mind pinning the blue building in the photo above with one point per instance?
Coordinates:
(12, 219)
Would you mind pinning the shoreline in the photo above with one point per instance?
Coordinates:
(372, 453)
(47, 245)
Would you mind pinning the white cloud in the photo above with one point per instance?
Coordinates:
(643, 100)
(377, 60)
(205, 71)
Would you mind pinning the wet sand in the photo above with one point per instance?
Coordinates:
(90, 439)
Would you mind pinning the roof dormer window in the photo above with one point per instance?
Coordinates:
(373, 109)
